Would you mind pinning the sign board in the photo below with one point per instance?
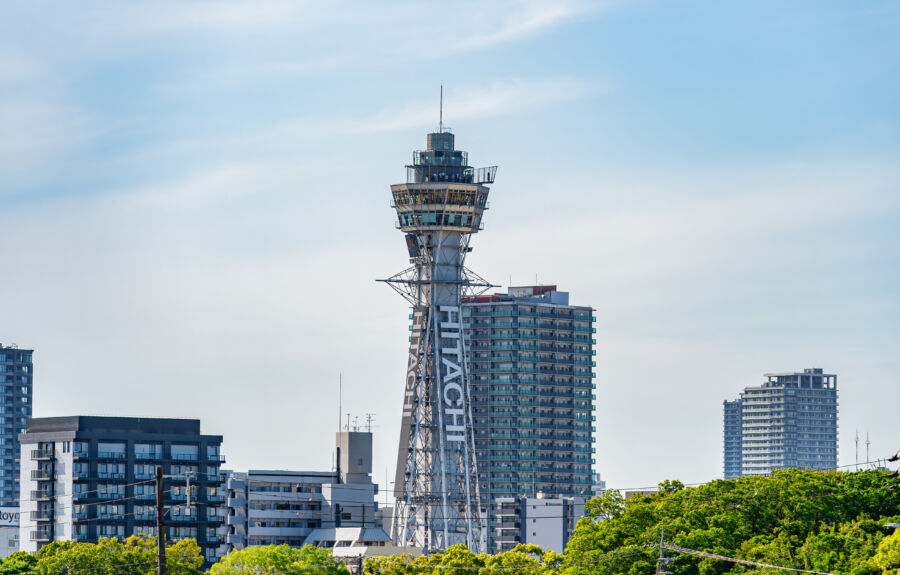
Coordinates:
(9, 516)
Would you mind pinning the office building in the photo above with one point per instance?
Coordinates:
(285, 507)
(540, 521)
(438, 208)
(530, 355)
(16, 384)
(84, 478)
(790, 421)
(732, 439)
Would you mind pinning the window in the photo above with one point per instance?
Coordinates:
(185, 452)
(147, 451)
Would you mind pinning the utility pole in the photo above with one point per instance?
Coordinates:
(160, 530)
(663, 562)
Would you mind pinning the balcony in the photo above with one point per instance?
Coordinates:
(42, 454)
(111, 455)
(42, 535)
(42, 515)
(41, 475)
(185, 457)
(111, 475)
(42, 495)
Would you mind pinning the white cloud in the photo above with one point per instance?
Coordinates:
(499, 97)
(34, 130)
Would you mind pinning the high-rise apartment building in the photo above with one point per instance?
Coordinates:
(732, 438)
(530, 357)
(285, 507)
(83, 478)
(16, 384)
(790, 421)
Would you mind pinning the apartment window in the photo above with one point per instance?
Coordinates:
(148, 451)
(79, 470)
(111, 450)
(111, 531)
(111, 470)
(144, 471)
(185, 452)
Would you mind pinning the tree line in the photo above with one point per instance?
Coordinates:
(833, 522)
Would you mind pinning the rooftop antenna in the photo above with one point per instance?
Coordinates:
(441, 121)
(857, 449)
(340, 397)
(867, 447)
(369, 418)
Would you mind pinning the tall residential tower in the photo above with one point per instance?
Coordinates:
(732, 438)
(790, 421)
(438, 208)
(16, 383)
(531, 360)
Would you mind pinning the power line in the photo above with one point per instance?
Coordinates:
(680, 549)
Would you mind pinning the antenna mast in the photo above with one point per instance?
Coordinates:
(441, 121)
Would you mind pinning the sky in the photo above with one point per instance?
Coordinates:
(194, 207)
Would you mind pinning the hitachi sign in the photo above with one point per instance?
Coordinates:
(451, 385)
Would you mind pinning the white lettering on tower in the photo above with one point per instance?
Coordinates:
(452, 391)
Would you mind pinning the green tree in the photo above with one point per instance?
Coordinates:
(280, 559)
(18, 563)
(135, 555)
(887, 556)
(824, 521)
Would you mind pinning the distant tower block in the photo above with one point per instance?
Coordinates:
(438, 208)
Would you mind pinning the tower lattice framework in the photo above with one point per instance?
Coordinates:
(440, 206)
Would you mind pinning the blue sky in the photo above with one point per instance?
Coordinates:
(195, 203)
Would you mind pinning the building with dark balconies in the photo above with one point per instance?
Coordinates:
(83, 478)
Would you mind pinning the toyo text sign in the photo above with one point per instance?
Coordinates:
(9, 516)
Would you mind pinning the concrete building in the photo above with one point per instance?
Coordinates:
(545, 522)
(530, 355)
(285, 507)
(83, 478)
(16, 384)
(732, 439)
(790, 421)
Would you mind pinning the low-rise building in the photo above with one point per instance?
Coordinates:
(546, 522)
(353, 545)
(274, 507)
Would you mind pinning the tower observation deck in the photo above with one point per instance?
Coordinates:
(436, 486)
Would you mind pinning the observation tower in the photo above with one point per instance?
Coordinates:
(436, 487)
